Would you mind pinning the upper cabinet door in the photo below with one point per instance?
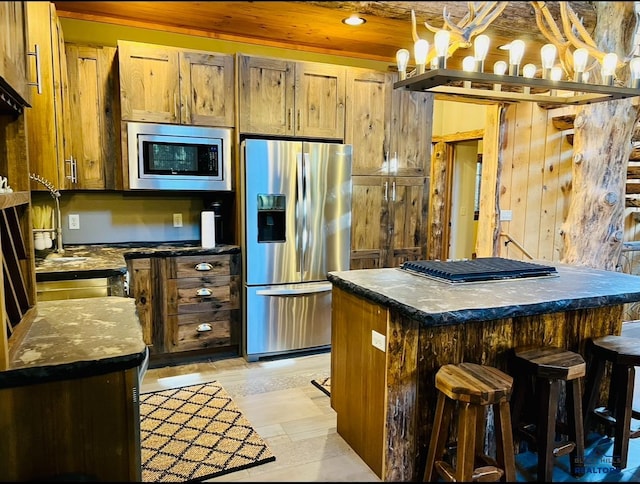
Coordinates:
(266, 95)
(14, 47)
(149, 82)
(320, 100)
(206, 89)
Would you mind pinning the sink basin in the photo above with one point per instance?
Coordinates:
(65, 259)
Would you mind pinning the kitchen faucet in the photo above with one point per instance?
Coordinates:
(56, 196)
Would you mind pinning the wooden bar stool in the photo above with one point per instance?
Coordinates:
(623, 354)
(538, 373)
(472, 388)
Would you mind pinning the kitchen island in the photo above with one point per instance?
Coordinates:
(392, 330)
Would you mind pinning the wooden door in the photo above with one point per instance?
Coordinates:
(140, 288)
(93, 102)
(149, 82)
(44, 119)
(14, 47)
(266, 95)
(368, 111)
(369, 221)
(206, 89)
(320, 100)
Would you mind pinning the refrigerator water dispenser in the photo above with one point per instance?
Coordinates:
(271, 218)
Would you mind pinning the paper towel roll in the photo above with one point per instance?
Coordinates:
(208, 230)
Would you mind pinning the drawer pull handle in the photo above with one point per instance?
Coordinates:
(204, 266)
(204, 327)
(203, 291)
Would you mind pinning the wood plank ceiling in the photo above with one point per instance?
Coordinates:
(316, 26)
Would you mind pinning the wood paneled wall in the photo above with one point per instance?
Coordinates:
(535, 181)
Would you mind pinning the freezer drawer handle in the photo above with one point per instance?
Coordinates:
(293, 292)
(203, 291)
(204, 266)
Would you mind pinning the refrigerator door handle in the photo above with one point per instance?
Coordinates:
(301, 209)
(306, 233)
(295, 292)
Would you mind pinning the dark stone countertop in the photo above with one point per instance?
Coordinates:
(436, 303)
(87, 261)
(76, 338)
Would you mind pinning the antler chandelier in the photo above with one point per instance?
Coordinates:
(584, 75)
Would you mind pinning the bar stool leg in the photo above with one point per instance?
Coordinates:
(466, 442)
(504, 445)
(548, 393)
(623, 378)
(438, 434)
(576, 429)
(594, 377)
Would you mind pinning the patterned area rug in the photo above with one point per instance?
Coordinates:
(324, 384)
(194, 433)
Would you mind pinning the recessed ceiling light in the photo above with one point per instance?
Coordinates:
(353, 20)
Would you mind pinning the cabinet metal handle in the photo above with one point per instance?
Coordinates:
(298, 128)
(73, 169)
(36, 54)
(203, 291)
(203, 266)
(386, 191)
(393, 191)
(289, 119)
(204, 327)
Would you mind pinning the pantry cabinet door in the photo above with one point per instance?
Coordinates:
(149, 82)
(206, 86)
(369, 221)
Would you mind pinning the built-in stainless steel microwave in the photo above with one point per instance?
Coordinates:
(178, 157)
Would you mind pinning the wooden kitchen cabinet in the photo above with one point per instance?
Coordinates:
(286, 98)
(93, 112)
(48, 148)
(14, 48)
(389, 131)
(188, 305)
(165, 84)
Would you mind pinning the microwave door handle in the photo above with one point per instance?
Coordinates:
(300, 211)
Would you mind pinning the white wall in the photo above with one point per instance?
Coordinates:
(454, 117)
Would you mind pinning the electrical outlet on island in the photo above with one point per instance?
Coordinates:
(177, 220)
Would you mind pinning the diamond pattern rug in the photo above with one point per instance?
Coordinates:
(196, 432)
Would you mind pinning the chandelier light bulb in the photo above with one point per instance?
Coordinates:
(634, 67)
(441, 43)
(468, 65)
(402, 59)
(609, 64)
(580, 57)
(556, 73)
(548, 54)
(516, 51)
(499, 68)
(420, 51)
(528, 71)
(480, 50)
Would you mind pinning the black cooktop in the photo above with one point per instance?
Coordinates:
(477, 270)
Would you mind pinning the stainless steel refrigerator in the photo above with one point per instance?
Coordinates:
(296, 214)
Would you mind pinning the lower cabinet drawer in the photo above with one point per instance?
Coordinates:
(72, 289)
(201, 330)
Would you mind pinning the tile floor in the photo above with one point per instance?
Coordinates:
(296, 419)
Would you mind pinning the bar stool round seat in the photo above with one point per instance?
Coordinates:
(471, 388)
(538, 373)
(622, 354)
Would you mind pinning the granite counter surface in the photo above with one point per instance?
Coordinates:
(435, 303)
(86, 261)
(75, 338)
